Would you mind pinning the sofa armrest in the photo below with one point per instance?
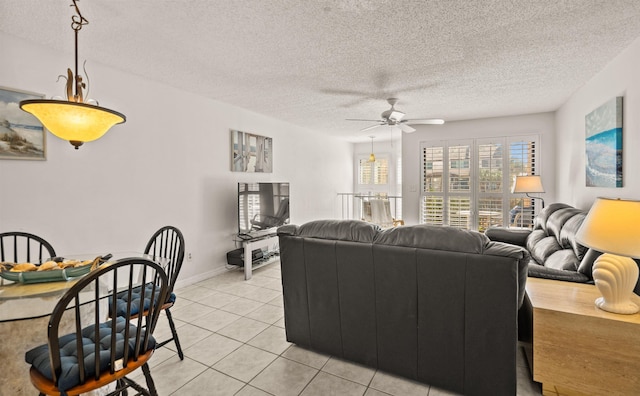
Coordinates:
(514, 236)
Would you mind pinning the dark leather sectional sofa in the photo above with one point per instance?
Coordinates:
(434, 304)
(555, 253)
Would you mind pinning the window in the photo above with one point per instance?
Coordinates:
(373, 173)
(474, 190)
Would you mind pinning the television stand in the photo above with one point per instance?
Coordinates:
(250, 243)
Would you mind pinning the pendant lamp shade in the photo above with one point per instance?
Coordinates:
(74, 119)
(372, 157)
(75, 122)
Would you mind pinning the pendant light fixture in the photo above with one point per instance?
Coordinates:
(372, 157)
(74, 119)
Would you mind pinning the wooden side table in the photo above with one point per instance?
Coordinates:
(579, 349)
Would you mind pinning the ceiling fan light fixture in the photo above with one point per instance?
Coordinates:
(73, 119)
(396, 115)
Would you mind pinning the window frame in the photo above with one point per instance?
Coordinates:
(476, 197)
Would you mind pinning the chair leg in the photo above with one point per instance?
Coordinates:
(121, 387)
(174, 333)
(150, 385)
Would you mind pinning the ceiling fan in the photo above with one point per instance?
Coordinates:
(394, 118)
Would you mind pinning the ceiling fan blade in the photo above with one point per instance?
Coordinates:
(350, 92)
(428, 121)
(370, 127)
(406, 128)
(360, 119)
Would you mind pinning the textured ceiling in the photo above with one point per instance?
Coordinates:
(315, 63)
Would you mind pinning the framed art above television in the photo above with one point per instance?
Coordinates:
(251, 153)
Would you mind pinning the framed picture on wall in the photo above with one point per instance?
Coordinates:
(22, 136)
(603, 163)
(251, 153)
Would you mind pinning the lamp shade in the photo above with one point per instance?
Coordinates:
(73, 121)
(527, 184)
(612, 226)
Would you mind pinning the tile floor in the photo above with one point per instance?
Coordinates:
(233, 338)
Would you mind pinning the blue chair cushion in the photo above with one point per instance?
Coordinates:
(38, 357)
(122, 298)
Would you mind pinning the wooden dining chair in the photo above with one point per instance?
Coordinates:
(99, 351)
(167, 243)
(20, 247)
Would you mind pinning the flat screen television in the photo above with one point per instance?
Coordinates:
(262, 206)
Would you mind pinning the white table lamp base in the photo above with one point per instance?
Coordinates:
(615, 277)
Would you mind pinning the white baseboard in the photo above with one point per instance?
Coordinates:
(199, 277)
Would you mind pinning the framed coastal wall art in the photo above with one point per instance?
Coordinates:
(604, 145)
(22, 136)
(251, 152)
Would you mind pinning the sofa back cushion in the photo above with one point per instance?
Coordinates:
(434, 237)
(341, 230)
(552, 243)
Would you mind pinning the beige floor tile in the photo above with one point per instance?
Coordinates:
(272, 273)
(218, 299)
(280, 323)
(216, 282)
(172, 374)
(216, 320)
(211, 382)
(162, 330)
(275, 284)
(194, 293)
(398, 386)
(249, 390)
(245, 362)
(374, 392)
(259, 280)
(243, 329)
(238, 289)
(348, 370)
(161, 354)
(306, 356)
(189, 335)
(267, 313)
(263, 295)
(329, 385)
(272, 339)
(284, 377)
(212, 349)
(191, 312)
(242, 306)
(278, 301)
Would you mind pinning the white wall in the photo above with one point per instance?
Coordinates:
(168, 164)
(621, 77)
(541, 124)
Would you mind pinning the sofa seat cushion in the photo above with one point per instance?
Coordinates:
(540, 271)
(38, 357)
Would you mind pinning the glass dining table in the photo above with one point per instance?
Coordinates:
(24, 316)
